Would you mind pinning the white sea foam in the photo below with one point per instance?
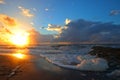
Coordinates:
(67, 57)
(83, 62)
(91, 63)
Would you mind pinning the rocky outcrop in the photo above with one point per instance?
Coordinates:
(112, 55)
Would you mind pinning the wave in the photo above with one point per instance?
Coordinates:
(79, 62)
(73, 57)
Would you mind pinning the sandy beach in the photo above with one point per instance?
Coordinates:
(24, 70)
(37, 68)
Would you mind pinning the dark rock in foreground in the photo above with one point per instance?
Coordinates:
(112, 55)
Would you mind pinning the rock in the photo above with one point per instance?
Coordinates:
(112, 55)
(115, 73)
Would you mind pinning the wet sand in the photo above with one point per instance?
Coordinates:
(37, 68)
(8, 64)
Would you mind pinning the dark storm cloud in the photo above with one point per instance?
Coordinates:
(88, 31)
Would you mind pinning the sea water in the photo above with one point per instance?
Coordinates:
(73, 56)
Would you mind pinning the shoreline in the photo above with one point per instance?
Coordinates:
(76, 74)
(38, 68)
(68, 68)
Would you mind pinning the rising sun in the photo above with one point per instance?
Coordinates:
(20, 38)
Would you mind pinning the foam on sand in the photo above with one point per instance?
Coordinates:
(84, 62)
(91, 63)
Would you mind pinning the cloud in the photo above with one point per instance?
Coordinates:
(7, 21)
(89, 31)
(8, 26)
(34, 9)
(32, 23)
(36, 37)
(2, 2)
(56, 28)
(25, 12)
(114, 12)
(67, 21)
(13, 23)
(46, 9)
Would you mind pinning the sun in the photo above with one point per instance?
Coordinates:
(20, 38)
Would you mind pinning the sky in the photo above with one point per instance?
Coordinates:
(50, 17)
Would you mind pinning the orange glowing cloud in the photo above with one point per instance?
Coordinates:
(14, 32)
(2, 2)
(7, 21)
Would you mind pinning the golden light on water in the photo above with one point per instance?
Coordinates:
(19, 55)
(20, 38)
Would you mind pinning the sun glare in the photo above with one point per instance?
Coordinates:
(20, 38)
(19, 55)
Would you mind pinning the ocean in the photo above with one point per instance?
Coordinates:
(64, 55)
(72, 56)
